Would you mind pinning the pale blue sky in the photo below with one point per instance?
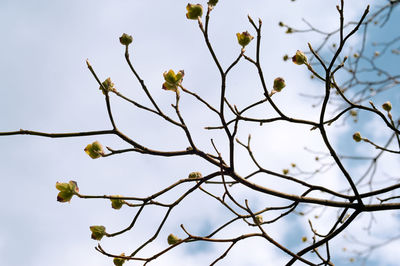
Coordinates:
(46, 86)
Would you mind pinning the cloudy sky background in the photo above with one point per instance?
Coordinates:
(47, 87)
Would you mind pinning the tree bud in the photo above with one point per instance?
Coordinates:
(172, 80)
(285, 57)
(117, 203)
(107, 86)
(67, 191)
(119, 261)
(172, 239)
(212, 2)
(125, 39)
(98, 231)
(258, 219)
(357, 137)
(353, 113)
(244, 38)
(285, 171)
(195, 175)
(299, 58)
(279, 84)
(387, 106)
(194, 11)
(94, 150)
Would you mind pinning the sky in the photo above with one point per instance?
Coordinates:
(47, 87)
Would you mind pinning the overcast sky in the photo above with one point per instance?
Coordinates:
(46, 86)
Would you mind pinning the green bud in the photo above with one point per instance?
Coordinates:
(258, 219)
(67, 191)
(117, 203)
(281, 24)
(212, 2)
(299, 58)
(119, 261)
(304, 239)
(107, 86)
(285, 57)
(172, 80)
(387, 106)
(98, 231)
(195, 175)
(353, 113)
(94, 150)
(194, 11)
(279, 84)
(244, 38)
(285, 171)
(357, 137)
(125, 39)
(172, 239)
(289, 30)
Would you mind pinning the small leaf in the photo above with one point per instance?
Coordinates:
(172, 80)
(98, 231)
(244, 38)
(67, 191)
(94, 150)
(194, 11)
(107, 86)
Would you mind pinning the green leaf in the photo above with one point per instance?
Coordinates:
(107, 86)
(67, 191)
(244, 38)
(172, 80)
(194, 11)
(94, 150)
(98, 231)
